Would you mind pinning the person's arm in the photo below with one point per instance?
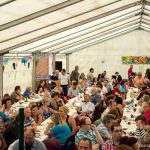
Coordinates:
(72, 122)
(47, 130)
(98, 136)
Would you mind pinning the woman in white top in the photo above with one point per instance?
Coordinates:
(8, 109)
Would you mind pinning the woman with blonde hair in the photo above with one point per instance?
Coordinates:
(58, 128)
(63, 110)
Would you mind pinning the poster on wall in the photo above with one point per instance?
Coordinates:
(136, 59)
(42, 66)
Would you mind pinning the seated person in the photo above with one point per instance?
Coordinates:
(141, 123)
(95, 97)
(40, 86)
(147, 112)
(36, 115)
(11, 132)
(28, 120)
(28, 92)
(89, 131)
(63, 111)
(111, 104)
(16, 95)
(8, 109)
(56, 102)
(46, 92)
(138, 80)
(87, 108)
(58, 88)
(104, 127)
(58, 129)
(85, 143)
(117, 133)
(73, 91)
(116, 90)
(30, 141)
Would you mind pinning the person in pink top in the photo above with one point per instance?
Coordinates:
(138, 80)
(147, 112)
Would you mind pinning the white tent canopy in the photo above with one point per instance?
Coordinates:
(64, 26)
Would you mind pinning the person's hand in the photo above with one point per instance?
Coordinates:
(93, 127)
(139, 124)
(110, 137)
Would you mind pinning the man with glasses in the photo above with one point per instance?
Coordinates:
(104, 127)
(116, 132)
(89, 131)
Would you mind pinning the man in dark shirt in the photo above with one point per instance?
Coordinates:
(11, 132)
(75, 74)
(54, 79)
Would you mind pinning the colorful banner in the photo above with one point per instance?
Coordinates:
(136, 59)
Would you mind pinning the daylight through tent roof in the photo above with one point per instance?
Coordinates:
(64, 26)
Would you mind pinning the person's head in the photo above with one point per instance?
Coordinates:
(63, 71)
(116, 73)
(56, 95)
(34, 110)
(105, 82)
(146, 106)
(111, 104)
(146, 98)
(85, 123)
(113, 77)
(63, 110)
(119, 100)
(6, 95)
(130, 141)
(86, 97)
(131, 66)
(123, 83)
(56, 119)
(116, 132)
(111, 97)
(7, 102)
(42, 82)
(123, 147)
(56, 73)
(46, 101)
(74, 85)
(117, 85)
(85, 144)
(140, 120)
(45, 88)
(91, 70)
(116, 115)
(29, 135)
(93, 90)
(77, 68)
(108, 120)
(27, 112)
(139, 75)
(29, 89)
(2, 142)
(18, 89)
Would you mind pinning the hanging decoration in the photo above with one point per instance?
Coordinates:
(14, 65)
(5, 61)
(24, 60)
(30, 57)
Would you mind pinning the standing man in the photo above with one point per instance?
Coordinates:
(75, 74)
(130, 71)
(64, 81)
(54, 79)
(90, 77)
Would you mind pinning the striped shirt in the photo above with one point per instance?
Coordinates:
(89, 134)
(140, 133)
(28, 122)
(109, 145)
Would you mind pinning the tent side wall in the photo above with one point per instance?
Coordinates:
(108, 54)
(22, 75)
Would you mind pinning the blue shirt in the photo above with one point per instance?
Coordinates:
(26, 94)
(122, 89)
(61, 133)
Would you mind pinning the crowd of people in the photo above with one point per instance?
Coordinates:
(98, 123)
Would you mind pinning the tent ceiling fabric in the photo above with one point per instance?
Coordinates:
(64, 26)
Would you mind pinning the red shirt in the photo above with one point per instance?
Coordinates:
(116, 91)
(147, 116)
(130, 72)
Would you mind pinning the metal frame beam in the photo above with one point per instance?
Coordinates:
(71, 26)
